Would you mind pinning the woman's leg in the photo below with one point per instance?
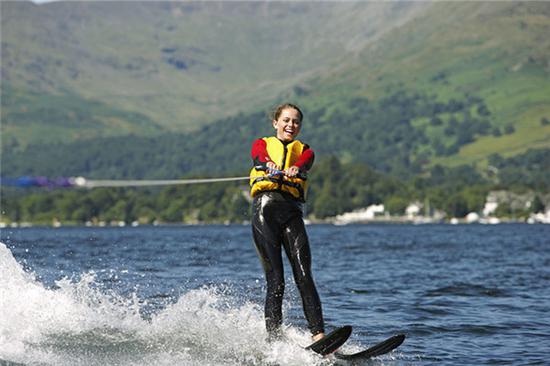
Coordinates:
(296, 244)
(267, 240)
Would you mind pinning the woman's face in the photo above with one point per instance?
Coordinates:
(288, 124)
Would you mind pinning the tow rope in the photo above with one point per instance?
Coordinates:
(81, 182)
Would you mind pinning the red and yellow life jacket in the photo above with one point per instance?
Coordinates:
(285, 156)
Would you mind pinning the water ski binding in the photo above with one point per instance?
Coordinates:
(332, 341)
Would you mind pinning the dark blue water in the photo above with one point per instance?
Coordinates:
(463, 295)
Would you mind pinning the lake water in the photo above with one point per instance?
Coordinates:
(193, 295)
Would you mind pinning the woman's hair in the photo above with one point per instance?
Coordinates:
(276, 113)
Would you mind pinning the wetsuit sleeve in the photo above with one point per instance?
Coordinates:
(305, 161)
(259, 153)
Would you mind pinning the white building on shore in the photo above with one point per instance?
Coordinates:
(361, 215)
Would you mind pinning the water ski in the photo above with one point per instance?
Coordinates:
(379, 349)
(332, 341)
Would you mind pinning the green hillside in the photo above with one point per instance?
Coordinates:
(497, 52)
(390, 143)
(29, 117)
(400, 86)
(179, 64)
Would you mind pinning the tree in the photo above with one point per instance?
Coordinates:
(457, 206)
(537, 205)
(396, 205)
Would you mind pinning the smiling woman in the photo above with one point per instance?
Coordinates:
(287, 121)
(280, 162)
(278, 185)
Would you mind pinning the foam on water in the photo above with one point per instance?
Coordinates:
(79, 322)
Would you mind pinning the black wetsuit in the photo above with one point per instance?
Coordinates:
(277, 220)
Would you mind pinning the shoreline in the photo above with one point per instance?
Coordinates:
(308, 221)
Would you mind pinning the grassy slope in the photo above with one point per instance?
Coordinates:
(241, 58)
(180, 64)
(46, 118)
(496, 51)
(516, 84)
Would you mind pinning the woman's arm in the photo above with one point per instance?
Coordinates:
(305, 161)
(259, 154)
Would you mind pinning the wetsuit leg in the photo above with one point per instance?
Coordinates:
(266, 232)
(296, 245)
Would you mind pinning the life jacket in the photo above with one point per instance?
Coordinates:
(284, 156)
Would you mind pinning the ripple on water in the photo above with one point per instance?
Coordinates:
(468, 290)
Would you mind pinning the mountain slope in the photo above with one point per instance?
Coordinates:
(441, 83)
(181, 64)
(498, 52)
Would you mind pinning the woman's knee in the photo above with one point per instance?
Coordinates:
(275, 283)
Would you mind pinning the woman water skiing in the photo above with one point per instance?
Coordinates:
(278, 187)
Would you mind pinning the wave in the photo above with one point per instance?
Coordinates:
(80, 323)
(467, 290)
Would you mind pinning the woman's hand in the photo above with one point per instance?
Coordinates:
(272, 167)
(292, 171)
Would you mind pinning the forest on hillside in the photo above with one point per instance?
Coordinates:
(335, 188)
(367, 152)
(397, 135)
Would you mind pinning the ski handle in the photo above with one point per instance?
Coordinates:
(275, 172)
